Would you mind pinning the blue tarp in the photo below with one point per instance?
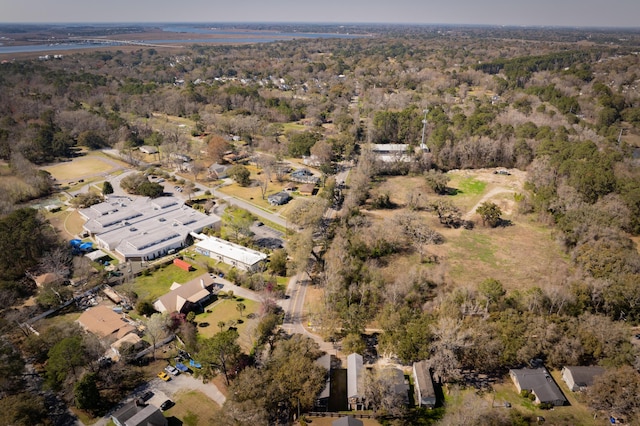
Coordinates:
(180, 366)
(86, 246)
(75, 243)
(194, 364)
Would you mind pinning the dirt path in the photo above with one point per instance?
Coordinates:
(487, 196)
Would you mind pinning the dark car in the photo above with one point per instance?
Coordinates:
(166, 405)
(146, 396)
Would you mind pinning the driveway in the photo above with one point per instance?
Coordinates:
(167, 390)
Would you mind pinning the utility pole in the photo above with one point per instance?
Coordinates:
(424, 129)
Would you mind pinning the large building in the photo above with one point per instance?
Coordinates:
(425, 393)
(144, 228)
(232, 254)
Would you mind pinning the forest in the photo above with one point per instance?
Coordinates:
(560, 106)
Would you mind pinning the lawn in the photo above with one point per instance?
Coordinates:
(225, 310)
(79, 167)
(150, 287)
(253, 194)
(192, 408)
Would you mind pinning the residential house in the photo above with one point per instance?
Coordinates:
(304, 176)
(347, 421)
(232, 254)
(148, 149)
(104, 323)
(392, 152)
(539, 382)
(290, 187)
(580, 378)
(322, 400)
(218, 171)
(307, 189)
(134, 414)
(355, 391)
(191, 296)
(279, 198)
(424, 391)
(132, 339)
(395, 380)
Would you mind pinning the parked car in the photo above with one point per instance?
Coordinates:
(146, 396)
(501, 172)
(164, 376)
(166, 405)
(172, 370)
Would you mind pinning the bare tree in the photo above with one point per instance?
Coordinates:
(157, 326)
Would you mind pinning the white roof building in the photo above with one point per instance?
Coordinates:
(232, 254)
(144, 228)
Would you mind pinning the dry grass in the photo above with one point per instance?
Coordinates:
(225, 310)
(193, 408)
(522, 255)
(80, 167)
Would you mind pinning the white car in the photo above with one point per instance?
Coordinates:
(172, 370)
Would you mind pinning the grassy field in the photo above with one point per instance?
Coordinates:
(192, 408)
(89, 165)
(152, 286)
(521, 255)
(253, 194)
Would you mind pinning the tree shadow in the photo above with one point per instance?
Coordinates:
(505, 223)
(174, 421)
(452, 191)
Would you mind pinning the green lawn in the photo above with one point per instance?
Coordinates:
(226, 310)
(158, 283)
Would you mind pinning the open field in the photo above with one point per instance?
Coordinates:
(82, 167)
(521, 255)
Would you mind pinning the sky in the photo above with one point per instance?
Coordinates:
(581, 13)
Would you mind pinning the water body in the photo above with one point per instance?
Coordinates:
(232, 37)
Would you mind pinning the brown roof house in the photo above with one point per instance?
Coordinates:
(104, 323)
(134, 414)
(307, 189)
(190, 296)
(580, 378)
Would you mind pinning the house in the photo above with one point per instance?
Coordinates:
(279, 198)
(132, 339)
(355, 392)
(347, 421)
(134, 414)
(290, 187)
(425, 393)
(147, 149)
(304, 176)
(190, 296)
(104, 323)
(394, 378)
(232, 254)
(218, 171)
(539, 382)
(580, 378)
(307, 189)
(322, 400)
